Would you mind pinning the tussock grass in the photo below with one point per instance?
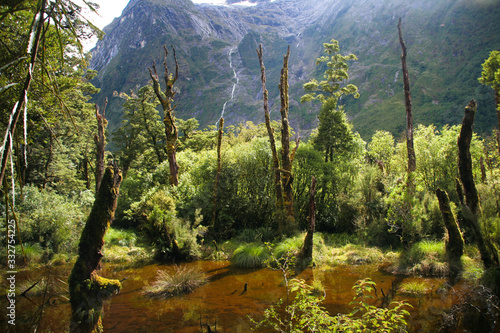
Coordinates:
(317, 288)
(289, 246)
(125, 254)
(120, 246)
(250, 256)
(120, 237)
(414, 287)
(349, 254)
(425, 258)
(182, 281)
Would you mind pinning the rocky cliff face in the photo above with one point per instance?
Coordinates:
(447, 42)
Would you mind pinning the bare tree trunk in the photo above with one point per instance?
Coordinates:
(286, 156)
(270, 132)
(166, 99)
(87, 289)
(465, 160)
(283, 175)
(470, 204)
(483, 170)
(219, 167)
(412, 164)
(307, 249)
(100, 142)
(455, 241)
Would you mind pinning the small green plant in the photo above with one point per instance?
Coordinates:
(305, 313)
(181, 281)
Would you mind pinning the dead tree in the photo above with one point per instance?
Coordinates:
(307, 249)
(100, 142)
(270, 132)
(87, 289)
(166, 99)
(465, 159)
(412, 164)
(455, 242)
(286, 156)
(219, 167)
(467, 191)
(283, 174)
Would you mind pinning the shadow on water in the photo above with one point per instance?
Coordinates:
(227, 301)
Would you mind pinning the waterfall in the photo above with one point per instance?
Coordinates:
(235, 76)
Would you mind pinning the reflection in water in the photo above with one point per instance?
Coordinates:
(221, 301)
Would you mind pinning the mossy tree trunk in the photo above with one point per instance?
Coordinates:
(270, 132)
(283, 174)
(100, 142)
(166, 99)
(455, 242)
(467, 191)
(87, 289)
(307, 249)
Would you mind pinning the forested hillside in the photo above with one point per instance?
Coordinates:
(447, 42)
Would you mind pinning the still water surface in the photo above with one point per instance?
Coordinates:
(222, 300)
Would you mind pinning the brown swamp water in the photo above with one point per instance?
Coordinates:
(220, 301)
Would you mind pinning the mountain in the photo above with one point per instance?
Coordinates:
(447, 42)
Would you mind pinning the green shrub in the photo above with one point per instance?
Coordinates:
(250, 256)
(51, 221)
(156, 216)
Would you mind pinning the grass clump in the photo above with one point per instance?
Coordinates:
(425, 258)
(289, 246)
(414, 287)
(250, 256)
(124, 254)
(351, 254)
(182, 280)
(120, 237)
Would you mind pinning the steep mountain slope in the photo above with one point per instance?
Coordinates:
(447, 41)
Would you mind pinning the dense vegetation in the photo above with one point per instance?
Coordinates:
(360, 193)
